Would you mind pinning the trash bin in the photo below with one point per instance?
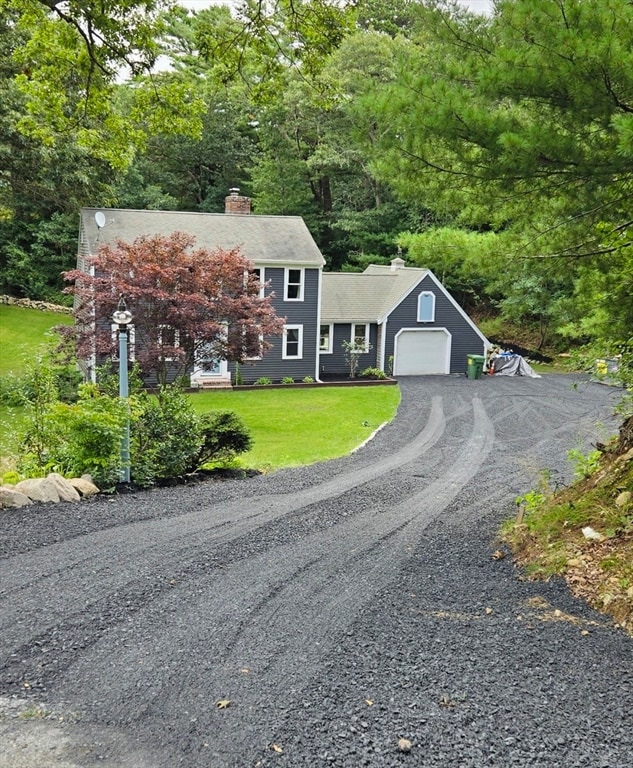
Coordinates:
(475, 366)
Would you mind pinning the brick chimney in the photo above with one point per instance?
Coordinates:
(236, 203)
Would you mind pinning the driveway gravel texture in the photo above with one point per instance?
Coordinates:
(350, 613)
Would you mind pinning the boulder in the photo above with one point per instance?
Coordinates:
(9, 497)
(38, 489)
(84, 485)
(64, 488)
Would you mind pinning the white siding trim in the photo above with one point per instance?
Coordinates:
(317, 356)
(330, 336)
(366, 334)
(425, 295)
(447, 356)
(302, 282)
(284, 352)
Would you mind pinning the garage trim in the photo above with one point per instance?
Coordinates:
(447, 355)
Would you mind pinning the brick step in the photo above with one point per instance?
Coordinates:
(211, 384)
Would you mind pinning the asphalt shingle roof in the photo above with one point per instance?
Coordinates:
(366, 296)
(282, 240)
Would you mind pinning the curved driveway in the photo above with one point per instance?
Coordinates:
(287, 619)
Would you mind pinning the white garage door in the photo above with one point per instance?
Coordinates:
(419, 352)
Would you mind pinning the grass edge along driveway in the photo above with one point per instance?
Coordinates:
(294, 427)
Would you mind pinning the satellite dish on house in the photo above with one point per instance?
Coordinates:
(100, 219)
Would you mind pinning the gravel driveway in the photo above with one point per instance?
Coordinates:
(315, 617)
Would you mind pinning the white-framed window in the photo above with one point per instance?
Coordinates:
(260, 341)
(326, 337)
(131, 342)
(168, 337)
(292, 342)
(293, 284)
(260, 275)
(426, 307)
(360, 335)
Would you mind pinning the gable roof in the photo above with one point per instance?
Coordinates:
(368, 296)
(371, 296)
(265, 240)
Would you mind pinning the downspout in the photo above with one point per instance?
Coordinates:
(383, 342)
(317, 363)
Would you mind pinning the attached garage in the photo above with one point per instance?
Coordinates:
(407, 322)
(422, 351)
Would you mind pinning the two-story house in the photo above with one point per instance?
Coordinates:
(405, 319)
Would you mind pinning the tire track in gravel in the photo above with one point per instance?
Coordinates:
(301, 596)
(151, 677)
(29, 578)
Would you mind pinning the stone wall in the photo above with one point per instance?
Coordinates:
(45, 306)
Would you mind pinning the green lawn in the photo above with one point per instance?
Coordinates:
(292, 427)
(23, 332)
(289, 427)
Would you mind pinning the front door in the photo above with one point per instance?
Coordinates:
(208, 368)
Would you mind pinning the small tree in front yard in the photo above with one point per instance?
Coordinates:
(352, 351)
(186, 302)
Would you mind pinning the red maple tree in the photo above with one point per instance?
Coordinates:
(185, 302)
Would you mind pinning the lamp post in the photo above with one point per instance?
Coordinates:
(122, 317)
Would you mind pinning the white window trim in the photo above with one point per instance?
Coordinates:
(302, 274)
(330, 349)
(176, 338)
(261, 345)
(284, 353)
(262, 279)
(354, 335)
(421, 296)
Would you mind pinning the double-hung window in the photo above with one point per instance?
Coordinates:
(168, 337)
(360, 336)
(325, 339)
(258, 274)
(253, 344)
(293, 284)
(426, 307)
(293, 342)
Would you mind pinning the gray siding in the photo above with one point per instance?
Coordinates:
(465, 340)
(334, 364)
(304, 313)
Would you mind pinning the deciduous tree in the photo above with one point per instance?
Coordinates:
(67, 69)
(185, 301)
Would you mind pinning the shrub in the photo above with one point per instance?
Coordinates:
(224, 436)
(287, 380)
(167, 439)
(263, 380)
(108, 379)
(14, 390)
(373, 373)
(307, 380)
(166, 436)
(39, 435)
(76, 438)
